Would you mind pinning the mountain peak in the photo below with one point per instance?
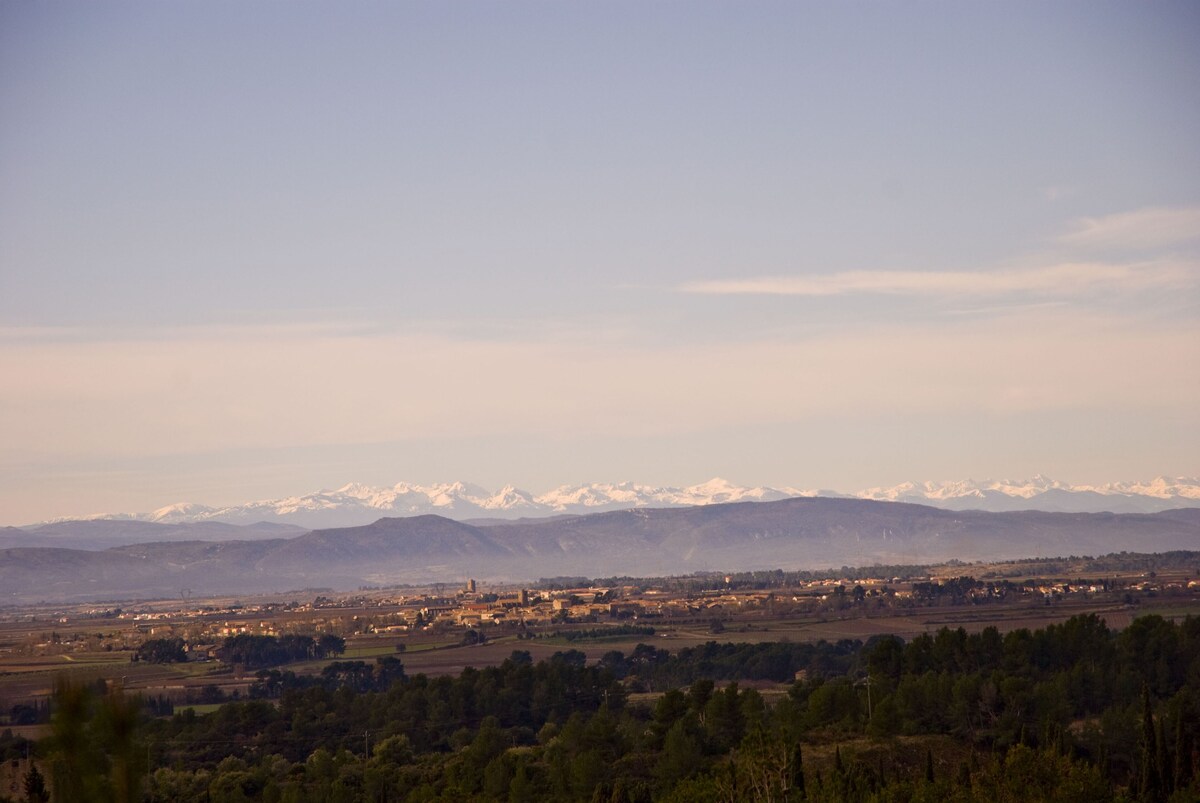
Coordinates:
(179, 512)
(356, 503)
(717, 484)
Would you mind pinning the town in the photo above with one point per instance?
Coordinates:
(439, 629)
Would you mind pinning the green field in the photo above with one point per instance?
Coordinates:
(201, 708)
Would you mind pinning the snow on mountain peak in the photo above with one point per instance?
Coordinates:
(357, 503)
(715, 485)
(179, 512)
(510, 498)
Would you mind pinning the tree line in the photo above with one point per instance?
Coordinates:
(1074, 711)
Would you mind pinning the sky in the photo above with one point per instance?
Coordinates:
(249, 250)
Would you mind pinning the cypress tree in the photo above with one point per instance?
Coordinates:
(797, 774)
(1148, 780)
(1161, 760)
(1181, 756)
(73, 768)
(119, 724)
(35, 786)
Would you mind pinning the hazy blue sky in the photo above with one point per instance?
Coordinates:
(253, 249)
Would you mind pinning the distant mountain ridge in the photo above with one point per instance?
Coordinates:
(355, 504)
(1045, 494)
(93, 534)
(789, 533)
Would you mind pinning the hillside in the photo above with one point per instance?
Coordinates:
(790, 533)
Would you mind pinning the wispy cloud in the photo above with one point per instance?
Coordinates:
(122, 399)
(1007, 309)
(143, 402)
(1075, 270)
(1154, 227)
(1064, 279)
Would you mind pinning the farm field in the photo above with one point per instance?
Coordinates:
(40, 645)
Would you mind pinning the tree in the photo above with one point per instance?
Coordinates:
(75, 761)
(117, 726)
(35, 786)
(724, 721)
(682, 756)
(1148, 780)
(329, 644)
(796, 789)
(667, 711)
(520, 788)
(96, 755)
(162, 651)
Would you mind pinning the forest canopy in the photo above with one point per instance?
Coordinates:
(1074, 711)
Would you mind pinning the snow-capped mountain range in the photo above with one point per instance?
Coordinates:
(1043, 493)
(356, 504)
